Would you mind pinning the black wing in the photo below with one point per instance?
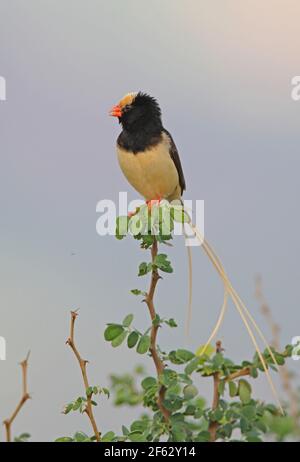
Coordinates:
(176, 159)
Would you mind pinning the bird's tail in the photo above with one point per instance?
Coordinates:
(229, 291)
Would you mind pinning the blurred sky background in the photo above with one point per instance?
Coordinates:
(222, 72)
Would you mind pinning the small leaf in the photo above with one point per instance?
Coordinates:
(136, 437)
(249, 412)
(68, 408)
(112, 331)
(148, 382)
(144, 268)
(143, 345)
(244, 391)
(109, 436)
(138, 292)
(120, 339)
(221, 387)
(89, 391)
(191, 366)
(233, 389)
(128, 320)
(163, 263)
(203, 437)
(184, 355)
(209, 350)
(64, 439)
(190, 392)
(171, 322)
(132, 339)
(121, 226)
(80, 437)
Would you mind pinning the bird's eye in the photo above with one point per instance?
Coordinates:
(126, 108)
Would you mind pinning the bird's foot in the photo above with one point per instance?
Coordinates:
(153, 202)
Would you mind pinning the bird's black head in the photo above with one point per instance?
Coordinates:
(138, 112)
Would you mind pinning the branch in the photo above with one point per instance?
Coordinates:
(82, 364)
(159, 365)
(213, 426)
(25, 396)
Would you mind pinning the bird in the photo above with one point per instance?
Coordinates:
(150, 161)
(147, 153)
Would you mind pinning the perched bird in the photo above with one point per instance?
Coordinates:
(146, 151)
(150, 161)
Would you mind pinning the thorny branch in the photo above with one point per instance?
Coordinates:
(159, 365)
(82, 363)
(25, 396)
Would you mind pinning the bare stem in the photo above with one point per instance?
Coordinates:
(83, 364)
(25, 396)
(159, 365)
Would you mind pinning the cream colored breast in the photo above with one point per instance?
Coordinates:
(152, 172)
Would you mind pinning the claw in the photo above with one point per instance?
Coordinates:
(152, 202)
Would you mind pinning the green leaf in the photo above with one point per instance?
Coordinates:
(149, 382)
(121, 226)
(218, 360)
(89, 391)
(173, 404)
(179, 432)
(136, 437)
(156, 321)
(64, 439)
(169, 377)
(184, 355)
(190, 392)
(233, 389)
(143, 345)
(68, 408)
(132, 339)
(109, 436)
(244, 391)
(163, 263)
(171, 322)
(253, 372)
(226, 430)
(203, 437)
(125, 430)
(106, 392)
(128, 320)
(190, 410)
(144, 268)
(221, 387)
(192, 366)
(138, 292)
(249, 412)
(113, 331)
(209, 350)
(80, 437)
(120, 339)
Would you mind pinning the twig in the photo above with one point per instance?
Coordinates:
(213, 426)
(275, 329)
(159, 365)
(82, 364)
(25, 396)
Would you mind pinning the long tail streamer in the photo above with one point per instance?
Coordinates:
(246, 316)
